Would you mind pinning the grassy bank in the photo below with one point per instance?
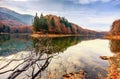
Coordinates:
(116, 37)
(53, 35)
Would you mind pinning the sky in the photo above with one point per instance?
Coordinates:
(91, 14)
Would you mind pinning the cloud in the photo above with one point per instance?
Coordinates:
(92, 14)
(14, 0)
(92, 20)
(20, 0)
(89, 1)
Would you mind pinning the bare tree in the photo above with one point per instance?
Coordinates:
(37, 60)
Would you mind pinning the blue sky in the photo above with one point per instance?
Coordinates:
(92, 14)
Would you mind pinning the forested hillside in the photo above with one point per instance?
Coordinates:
(7, 14)
(115, 28)
(13, 22)
(58, 25)
(6, 27)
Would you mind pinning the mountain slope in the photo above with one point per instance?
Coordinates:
(10, 20)
(26, 19)
(4, 16)
(13, 22)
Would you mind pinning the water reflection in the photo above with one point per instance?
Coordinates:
(58, 44)
(114, 61)
(34, 61)
(28, 64)
(115, 46)
(13, 43)
(4, 38)
(60, 65)
(67, 54)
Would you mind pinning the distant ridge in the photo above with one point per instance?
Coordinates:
(6, 14)
(13, 22)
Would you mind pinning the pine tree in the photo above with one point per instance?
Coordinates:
(43, 23)
(36, 23)
(41, 16)
(40, 24)
(53, 22)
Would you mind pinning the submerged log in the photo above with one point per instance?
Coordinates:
(104, 57)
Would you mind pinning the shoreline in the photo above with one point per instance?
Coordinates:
(53, 35)
(4, 33)
(116, 37)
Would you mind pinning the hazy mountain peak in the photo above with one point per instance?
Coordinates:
(24, 18)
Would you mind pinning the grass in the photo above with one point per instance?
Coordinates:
(115, 37)
(53, 35)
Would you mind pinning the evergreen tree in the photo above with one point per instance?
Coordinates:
(36, 23)
(16, 31)
(40, 24)
(53, 22)
(5, 29)
(43, 23)
(65, 22)
(41, 16)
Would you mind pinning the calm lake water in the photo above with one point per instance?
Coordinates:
(69, 54)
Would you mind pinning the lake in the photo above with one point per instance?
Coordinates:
(58, 56)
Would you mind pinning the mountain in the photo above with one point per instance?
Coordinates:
(53, 24)
(10, 20)
(9, 14)
(13, 22)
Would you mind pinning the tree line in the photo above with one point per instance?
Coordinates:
(4, 29)
(40, 23)
(20, 29)
(47, 23)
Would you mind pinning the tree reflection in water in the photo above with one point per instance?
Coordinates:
(56, 45)
(37, 60)
(31, 65)
(4, 38)
(114, 61)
